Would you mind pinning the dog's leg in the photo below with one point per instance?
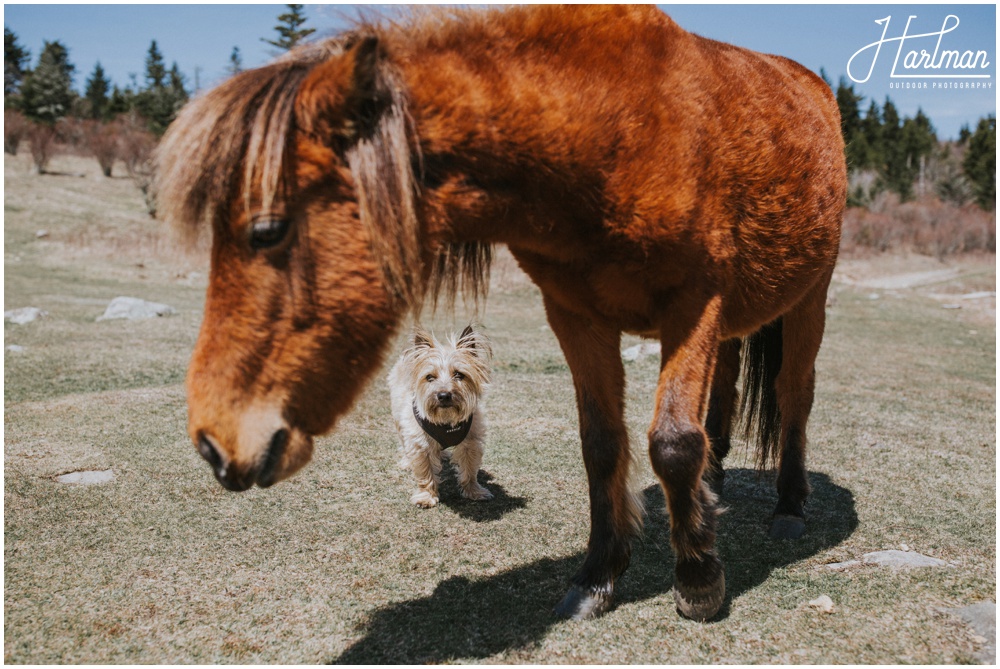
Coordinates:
(468, 457)
(426, 467)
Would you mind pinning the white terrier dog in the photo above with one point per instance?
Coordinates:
(437, 395)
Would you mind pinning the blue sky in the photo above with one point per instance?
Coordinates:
(200, 39)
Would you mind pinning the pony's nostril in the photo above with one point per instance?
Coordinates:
(209, 452)
(275, 450)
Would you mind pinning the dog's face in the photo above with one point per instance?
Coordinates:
(448, 379)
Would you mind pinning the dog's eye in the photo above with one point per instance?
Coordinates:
(430, 378)
(458, 376)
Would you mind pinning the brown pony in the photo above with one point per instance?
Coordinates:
(648, 180)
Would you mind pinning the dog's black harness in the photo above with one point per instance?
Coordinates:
(446, 435)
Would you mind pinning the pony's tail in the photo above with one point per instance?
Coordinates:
(761, 416)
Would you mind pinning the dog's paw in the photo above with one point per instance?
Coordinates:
(424, 499)
(477, 493)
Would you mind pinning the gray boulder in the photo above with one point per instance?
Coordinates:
(133, 308)
(24, 315)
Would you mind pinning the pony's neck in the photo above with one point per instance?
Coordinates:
(498, 163)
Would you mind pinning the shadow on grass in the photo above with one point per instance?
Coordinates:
(480, 512)
(466, 619)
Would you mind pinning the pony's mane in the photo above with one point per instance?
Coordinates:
(239, 136)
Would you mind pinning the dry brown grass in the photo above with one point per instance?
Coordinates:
(335, 565)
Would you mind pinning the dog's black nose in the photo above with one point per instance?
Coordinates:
(443, 396)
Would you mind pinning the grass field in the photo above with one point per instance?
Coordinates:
(162, 565)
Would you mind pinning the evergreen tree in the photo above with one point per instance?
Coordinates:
(176, 92)
(156, 71)
(850, 124)
(46, 92)
(120, 102)
(893, 171)
(980, 162)
(871, 130)
(235, 62)
(825, 77)
(919, 142)
(289, 31)
(96, 93)
(164, 94)
(16, 60)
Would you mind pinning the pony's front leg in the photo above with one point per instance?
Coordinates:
(679, 451)
(593, 355)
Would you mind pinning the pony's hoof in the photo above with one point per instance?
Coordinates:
(715, 480)
(580, 604)
(699, 594)
(787, 527)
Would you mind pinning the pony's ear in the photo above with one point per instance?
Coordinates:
(341, 100)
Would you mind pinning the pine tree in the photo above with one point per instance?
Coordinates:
(894, 174)
(871, 130)
(177, 92)
(16, 60)
(980, 164)
(235, 62)
(120, 102)
(289, 32)
(850, 124)
(164, 94)
(46, 92)
(156, 71)
(96, 93)
(919, 141)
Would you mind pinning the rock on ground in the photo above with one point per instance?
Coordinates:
(823, 604)
(23, 315)
(87, 477)
(633, 353)
(133, 308)
(901, 559)
(982, 618)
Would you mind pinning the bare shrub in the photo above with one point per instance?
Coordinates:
(73, 133)
(15, 129)
(104, 142)
(42, 140)
(929, 226)
(136, 146)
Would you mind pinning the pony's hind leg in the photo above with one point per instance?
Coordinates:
(679, 451)
(721, 409)
(801, 335)
(594, 359)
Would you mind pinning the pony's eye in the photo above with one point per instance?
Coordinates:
(430, 378)
(458, 376)
(266, 233)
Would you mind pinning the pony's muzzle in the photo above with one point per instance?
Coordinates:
(272, 457)
(231, 478)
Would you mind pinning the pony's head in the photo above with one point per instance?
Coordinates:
(304, 170)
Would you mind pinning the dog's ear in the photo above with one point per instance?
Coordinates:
(422, 338)
(465, 340)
